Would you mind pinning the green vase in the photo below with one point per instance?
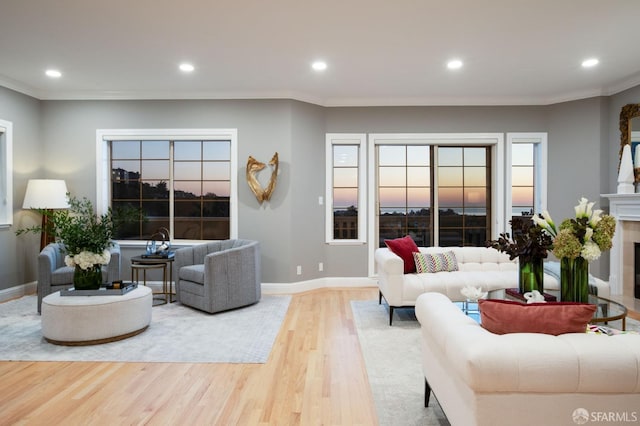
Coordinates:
(531, 275)
(574, 280)
(87, 279)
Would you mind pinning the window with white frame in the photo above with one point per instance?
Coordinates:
(346, 196)
(526, 180)
(182, 180)
(442, 189)
(6, 173)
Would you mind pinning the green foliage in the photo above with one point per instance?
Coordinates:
(79, 228)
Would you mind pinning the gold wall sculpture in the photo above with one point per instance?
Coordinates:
(253, 168)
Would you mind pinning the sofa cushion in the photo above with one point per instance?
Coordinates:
(404, 247)
(436, 262)
(503, 317)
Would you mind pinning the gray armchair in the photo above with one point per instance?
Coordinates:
(219, 275)
(54, 275)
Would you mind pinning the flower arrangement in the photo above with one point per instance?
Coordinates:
(587, 235)
(529, 241)
(86, 236)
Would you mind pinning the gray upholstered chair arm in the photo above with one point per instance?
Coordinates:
(46, 264)
(113, 268)
(235, 272)
(183, 257)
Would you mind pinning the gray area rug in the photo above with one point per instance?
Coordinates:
(177, 333)
(392, 358)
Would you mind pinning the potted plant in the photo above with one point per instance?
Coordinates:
(85, 238)
(579, 241)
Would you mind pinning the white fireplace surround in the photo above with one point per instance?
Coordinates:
(624, 208)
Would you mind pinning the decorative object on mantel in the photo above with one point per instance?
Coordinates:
(625, 174)
(253, 167)
(578, 242)
(86, 238)
(530, 245)
(627, 114)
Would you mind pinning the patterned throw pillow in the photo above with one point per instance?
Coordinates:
(435, 262)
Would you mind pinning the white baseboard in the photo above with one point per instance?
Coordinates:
(18, 291)
(267, 288)
(327, 282)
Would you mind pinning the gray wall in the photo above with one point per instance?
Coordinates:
(57, 139)
(17, 259)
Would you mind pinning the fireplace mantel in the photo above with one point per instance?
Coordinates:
(623, 207)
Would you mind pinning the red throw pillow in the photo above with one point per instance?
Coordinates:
(404, 247)
(504, 316)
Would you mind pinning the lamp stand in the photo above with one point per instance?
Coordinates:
(45, 238)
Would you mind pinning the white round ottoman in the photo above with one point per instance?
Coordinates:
(90, 320)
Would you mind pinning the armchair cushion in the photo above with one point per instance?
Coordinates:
(193, 273)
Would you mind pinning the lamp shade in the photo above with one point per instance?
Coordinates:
(46, 194)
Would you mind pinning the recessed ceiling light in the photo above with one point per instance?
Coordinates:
(53, 73)
(319, 65)
(186, 67)
(591, 62)
(454, 64)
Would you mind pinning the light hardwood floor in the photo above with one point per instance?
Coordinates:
(314, 375)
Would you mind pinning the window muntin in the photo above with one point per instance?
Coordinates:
(464, 195)
(526, 183)
(522, 179)
(193, 177)
(404, 192)
(220, 214)
(346, 171)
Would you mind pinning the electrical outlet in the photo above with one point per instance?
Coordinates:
(320, 267)
(299, 270)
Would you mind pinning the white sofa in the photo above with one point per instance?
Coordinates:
(478, 266)
(481, 378)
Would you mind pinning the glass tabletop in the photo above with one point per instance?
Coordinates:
(606, 310)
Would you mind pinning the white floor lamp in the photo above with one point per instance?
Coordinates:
(45, 194)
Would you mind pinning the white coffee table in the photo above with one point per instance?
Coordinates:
(91, 320)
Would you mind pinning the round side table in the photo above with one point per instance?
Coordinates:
(140, 263)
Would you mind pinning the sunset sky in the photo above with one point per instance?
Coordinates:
(403, 176)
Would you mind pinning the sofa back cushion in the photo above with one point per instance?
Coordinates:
(476, 258)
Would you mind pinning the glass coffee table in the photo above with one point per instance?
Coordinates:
(606, 310)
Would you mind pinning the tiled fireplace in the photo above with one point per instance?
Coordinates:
(626, 209)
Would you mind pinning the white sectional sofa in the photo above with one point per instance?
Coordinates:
(481, 378)
(478, 266)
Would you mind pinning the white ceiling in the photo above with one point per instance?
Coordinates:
(379, 52)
